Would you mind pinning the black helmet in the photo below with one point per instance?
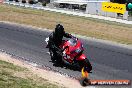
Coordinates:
(59, 29)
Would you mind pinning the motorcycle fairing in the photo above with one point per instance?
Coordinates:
(81, 57)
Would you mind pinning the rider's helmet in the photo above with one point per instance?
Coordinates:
(59, 29)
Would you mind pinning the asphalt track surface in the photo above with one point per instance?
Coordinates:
(109, 62)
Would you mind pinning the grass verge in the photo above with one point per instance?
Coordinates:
(12, 76)
(90, 27)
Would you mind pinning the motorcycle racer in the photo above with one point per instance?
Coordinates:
(60, 54)
(55, 38)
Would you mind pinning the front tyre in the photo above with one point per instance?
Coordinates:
(85, 82)
(86, 64)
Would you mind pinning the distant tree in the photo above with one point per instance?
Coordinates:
(31, 1)
(16, 1)
(23, 1)
(118, 1)
(44, 3)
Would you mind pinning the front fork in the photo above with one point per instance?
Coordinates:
(86, 64)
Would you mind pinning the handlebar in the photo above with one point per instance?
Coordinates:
(74, 37)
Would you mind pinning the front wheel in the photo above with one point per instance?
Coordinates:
(86, 64)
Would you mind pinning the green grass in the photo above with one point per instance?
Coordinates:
(7, 65)
(8, 80)
(38, 12)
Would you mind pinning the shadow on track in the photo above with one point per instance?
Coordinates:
(57, 62)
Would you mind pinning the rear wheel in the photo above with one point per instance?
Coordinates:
(56, 58)
(51, 54)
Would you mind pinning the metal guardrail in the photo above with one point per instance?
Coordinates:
(26, 5)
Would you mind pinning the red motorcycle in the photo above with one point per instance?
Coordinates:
(72, 53)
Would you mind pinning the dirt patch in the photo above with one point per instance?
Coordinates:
(55, 78)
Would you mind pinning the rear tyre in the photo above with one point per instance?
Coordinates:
(51, 54)
(56, 59)
(54, 56)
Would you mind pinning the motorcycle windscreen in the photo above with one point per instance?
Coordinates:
(72, 42)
